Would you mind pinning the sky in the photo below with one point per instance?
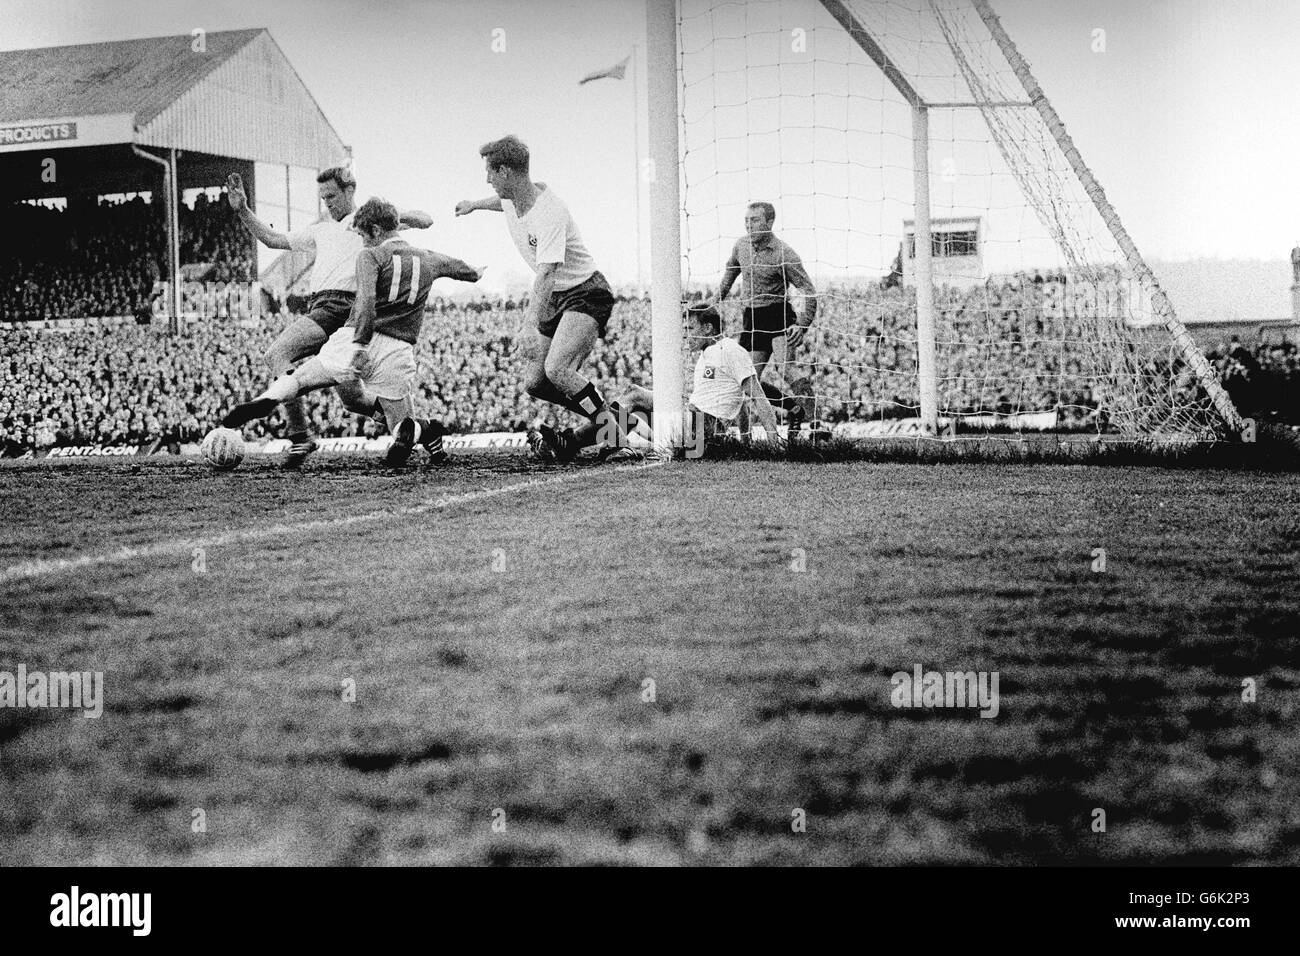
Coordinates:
(1187, 116)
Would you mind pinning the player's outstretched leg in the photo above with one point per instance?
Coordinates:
(246, 412)
(308, 376)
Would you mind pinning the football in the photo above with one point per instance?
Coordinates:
(223, 448)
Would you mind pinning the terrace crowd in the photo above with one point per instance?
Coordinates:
(1019, 346)
(103, 260)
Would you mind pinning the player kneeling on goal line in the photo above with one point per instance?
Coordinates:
(725, 388)
(370, 361)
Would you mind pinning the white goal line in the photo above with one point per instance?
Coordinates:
(185, 546)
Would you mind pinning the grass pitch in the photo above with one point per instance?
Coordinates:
(500, 647)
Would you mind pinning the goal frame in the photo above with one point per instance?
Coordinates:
(667, 264)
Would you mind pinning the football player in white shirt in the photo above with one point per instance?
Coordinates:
(726, 382)
(570, 303)
(333, 282)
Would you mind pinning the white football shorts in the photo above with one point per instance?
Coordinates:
(389, 370)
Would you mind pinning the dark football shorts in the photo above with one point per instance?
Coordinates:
(330, 309)
(592, 298)
(764, 325)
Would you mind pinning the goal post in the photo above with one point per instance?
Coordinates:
(926, 383)
(664, 172)
(970, 274)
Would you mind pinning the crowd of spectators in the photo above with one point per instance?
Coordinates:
(1019, 346)
(1263, 381)
(103, 259)
(124, 383)
(210, 234)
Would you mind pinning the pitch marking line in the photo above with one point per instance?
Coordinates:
(34, 569)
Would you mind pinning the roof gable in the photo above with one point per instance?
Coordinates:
(127, 76)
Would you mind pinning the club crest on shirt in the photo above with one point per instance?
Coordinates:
(708, 371)
(532, 241)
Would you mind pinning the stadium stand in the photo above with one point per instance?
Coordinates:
(90, 130)
(122, 383)
(105, 262)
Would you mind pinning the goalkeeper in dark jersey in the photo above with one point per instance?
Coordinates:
(370, 361)
(767, 268)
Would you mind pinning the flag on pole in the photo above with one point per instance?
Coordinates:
(615, 72)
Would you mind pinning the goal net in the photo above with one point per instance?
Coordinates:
(872, 124)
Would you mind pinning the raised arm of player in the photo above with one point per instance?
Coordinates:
(363, 307)
(798, 277)
(414, 219)
(467, 206)
(761, 406)
(238, 200)
(730, 273)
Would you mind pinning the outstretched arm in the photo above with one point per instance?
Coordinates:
(238, 200)
(449, 267)
(467, 206)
